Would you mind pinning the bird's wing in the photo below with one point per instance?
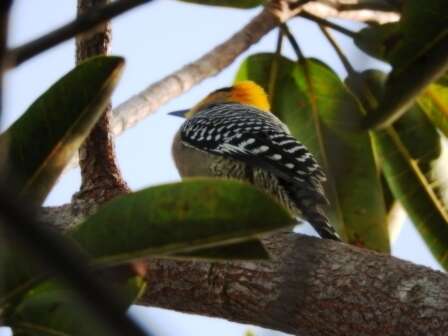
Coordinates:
(244, 133)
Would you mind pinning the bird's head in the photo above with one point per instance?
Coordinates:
(245, 92)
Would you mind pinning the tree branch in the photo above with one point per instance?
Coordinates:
(150, 99)
(5, 7)
(344, 5)
(146, 102)
(312, 287)
(101, 178)
(326, 10)
(328, 24)
(138, 107)
(82, 23)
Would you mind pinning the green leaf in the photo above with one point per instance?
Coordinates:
(403, 42)
(414, 193)
(417, 51)
(434, 101)
(248, 250)
(50, 310)
(228, 3)
(379, 40)
(179, 218)
(407, 152)
(322, 114)
(42, 141)
(191, 219)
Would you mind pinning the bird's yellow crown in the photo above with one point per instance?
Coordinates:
(244, 92)
(250, 93)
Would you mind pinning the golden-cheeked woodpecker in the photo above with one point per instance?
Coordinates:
(232, 134)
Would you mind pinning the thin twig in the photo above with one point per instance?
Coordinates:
(368, 100)
(81, 24)
(273, 73)
(295, 46)
(5, 7)
(347, 65)
(328, 24)
(364, 5)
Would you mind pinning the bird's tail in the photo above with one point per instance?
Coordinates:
(315, 215)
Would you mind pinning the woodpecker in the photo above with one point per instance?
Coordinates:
(232, 134)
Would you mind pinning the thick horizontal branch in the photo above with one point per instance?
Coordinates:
(312, 287)
(81, 24)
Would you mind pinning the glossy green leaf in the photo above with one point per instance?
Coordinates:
(322, 114)
(42, 141)
(417, 51)
(179, 218)
(228, 3)
(434, 101)
(408, 152)
(248, 250)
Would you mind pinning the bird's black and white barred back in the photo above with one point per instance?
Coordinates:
(260, 142)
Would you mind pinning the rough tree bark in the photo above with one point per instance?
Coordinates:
(312, 287)
(101, 177)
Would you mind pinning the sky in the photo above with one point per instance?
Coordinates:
(155, 40)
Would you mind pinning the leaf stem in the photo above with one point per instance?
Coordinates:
(344, 59)
(273, 74)
(327, 23)
(292, 41)
(90, 19)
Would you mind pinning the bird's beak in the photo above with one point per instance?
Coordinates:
(180, 113)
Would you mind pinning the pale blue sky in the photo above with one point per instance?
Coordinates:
(157, 39)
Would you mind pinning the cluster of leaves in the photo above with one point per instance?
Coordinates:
(380, 137)
(369, 169)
